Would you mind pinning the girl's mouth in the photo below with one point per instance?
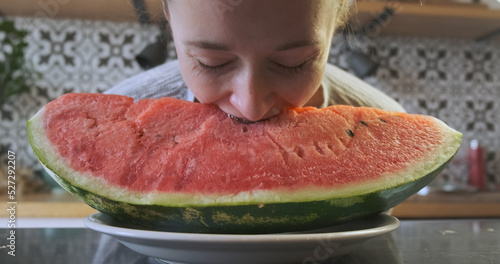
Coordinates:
(242, 120)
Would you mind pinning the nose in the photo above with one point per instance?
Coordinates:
(253, 96)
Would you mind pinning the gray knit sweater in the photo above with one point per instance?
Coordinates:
(339, 86)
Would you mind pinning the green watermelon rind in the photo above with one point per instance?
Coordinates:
(254, 213)
(252, 218)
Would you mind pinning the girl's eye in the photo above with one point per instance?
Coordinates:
(213, 68)
(291, 70)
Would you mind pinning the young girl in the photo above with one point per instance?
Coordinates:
(254, 58)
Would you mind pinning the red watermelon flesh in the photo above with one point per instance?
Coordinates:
(174, 146)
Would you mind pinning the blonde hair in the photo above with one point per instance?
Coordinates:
(343, 12)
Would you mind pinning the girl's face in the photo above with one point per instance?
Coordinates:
(253, 58)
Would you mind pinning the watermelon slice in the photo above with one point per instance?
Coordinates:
(169, 164)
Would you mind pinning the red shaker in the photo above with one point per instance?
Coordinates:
(476, 164)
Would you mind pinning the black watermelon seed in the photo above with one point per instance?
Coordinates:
(349, 132)
(383, 120)
(364, 123)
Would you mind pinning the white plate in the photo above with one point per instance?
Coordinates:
(304, 247)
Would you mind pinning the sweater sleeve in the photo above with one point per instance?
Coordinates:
(162, 81)
(344, 88)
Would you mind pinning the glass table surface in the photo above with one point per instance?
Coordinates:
(415, 241)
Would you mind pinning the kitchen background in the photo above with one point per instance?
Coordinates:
(456, 80)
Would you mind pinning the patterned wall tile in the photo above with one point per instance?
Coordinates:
(87, 56)
(457, 81)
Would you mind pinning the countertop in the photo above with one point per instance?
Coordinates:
(414, 242)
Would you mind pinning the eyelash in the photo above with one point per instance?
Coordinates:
(213, 69)
(285, 69)
(291, 70)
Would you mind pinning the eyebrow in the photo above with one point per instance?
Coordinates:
(207, 45)
(298, 44)
(217, 46)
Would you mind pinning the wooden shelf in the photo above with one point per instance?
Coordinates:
(469, 21)
(466, 21)
(450, 205)
(110, 10)
(63, 205)
(432, 206)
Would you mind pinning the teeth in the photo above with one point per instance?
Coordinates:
(244, 121)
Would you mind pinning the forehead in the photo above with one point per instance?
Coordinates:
(252, 22)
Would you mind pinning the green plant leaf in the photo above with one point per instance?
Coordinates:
(17, 75)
